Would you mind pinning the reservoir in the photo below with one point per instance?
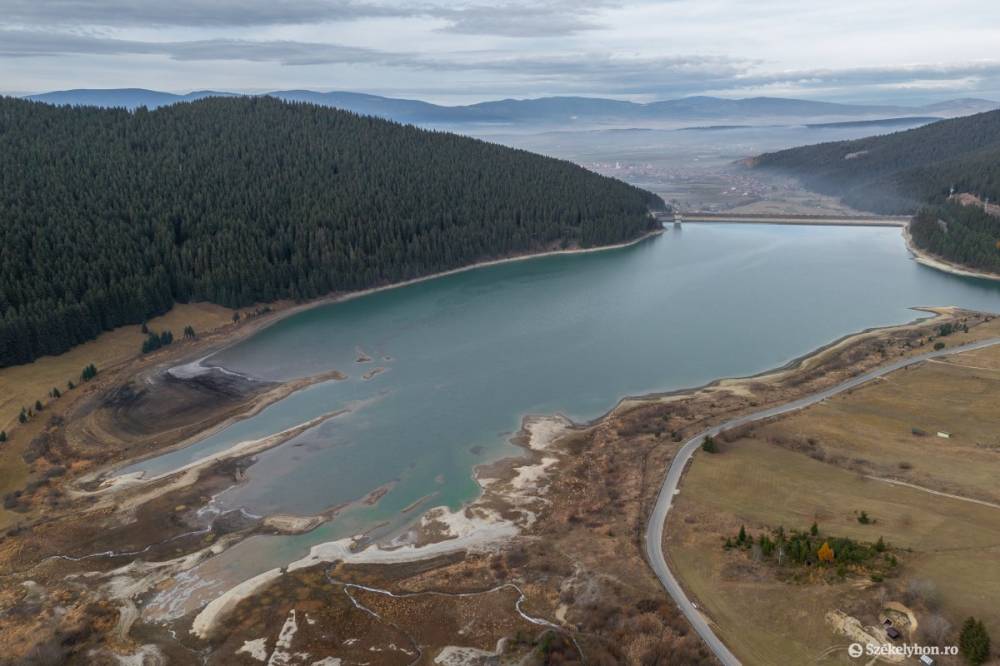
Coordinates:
(466, 356)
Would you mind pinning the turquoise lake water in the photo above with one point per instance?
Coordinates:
(468, 355)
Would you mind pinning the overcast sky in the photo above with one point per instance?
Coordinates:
(469, 50)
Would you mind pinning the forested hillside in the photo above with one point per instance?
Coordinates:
(108, 217)
(915, 171)
(899, 172)
(962, 234)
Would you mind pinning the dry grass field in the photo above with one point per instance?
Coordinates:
(827, 464)
(22, 385)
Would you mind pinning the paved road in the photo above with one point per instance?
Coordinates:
(654, 530)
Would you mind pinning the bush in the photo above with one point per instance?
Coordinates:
(938, 346)
(924, 591)
(709, 445)
(933, 629)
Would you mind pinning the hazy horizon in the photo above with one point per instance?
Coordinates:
(897, 100)
(886, 52)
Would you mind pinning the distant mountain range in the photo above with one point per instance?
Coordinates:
(544, 110)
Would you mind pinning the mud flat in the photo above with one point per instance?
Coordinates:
(513, 487)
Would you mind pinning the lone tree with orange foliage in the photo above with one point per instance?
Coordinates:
(825, 553)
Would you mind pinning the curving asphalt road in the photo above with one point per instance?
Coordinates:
(654, 530)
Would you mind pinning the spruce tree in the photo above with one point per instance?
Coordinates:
(974, 642)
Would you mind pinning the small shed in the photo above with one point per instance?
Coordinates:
(943, 434)
(893, 633)
(926, 660)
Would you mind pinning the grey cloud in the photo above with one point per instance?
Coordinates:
(517, 19)
(565, 73)
(25, 43)
(580, 67)
(187, 13)
(524, 19)
(863, 76)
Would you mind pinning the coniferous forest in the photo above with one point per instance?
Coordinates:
(108, 217)
(963, 234)
(916, 171)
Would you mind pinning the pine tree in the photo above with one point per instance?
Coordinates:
(974, 642)
(3, 436)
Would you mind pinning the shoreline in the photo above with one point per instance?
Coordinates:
(211, 342)
(521, 503)
(476, 526)
(920, 256)
(191, 356)
(799, 362)
(933, 261)
(342, 297)
(241, 449)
